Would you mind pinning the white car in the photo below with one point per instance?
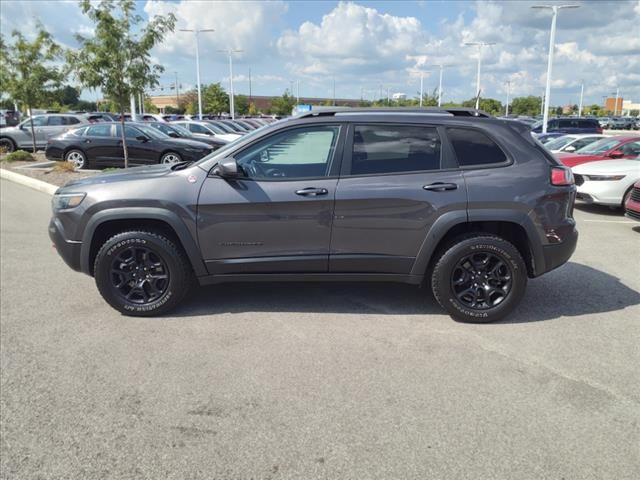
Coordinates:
(607, 182)
(571, 143)
(205, 129)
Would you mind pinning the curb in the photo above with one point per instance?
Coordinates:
(30, 182)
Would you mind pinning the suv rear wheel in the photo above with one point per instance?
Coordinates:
(479, 279)
(142, 273)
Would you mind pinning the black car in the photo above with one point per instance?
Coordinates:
(569, 125)
(471, 206)
(100, 145)
(176, 131)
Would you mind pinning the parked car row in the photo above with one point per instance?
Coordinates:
(605, 169)
(100, 145)
(620, 123)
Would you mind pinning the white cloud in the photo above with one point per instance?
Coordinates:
(352, 40)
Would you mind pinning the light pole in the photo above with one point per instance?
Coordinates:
(230, 52)
(421, 86)
(479, 45)
(506, 111)
(581, 97)
(552, 38)
(615, 106)
(197, 32)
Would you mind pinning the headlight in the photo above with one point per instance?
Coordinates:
(604, 178)
(63, 201)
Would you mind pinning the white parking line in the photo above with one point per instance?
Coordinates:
(611, 221)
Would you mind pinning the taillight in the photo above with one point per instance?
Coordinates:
(599, 130)
(561, 176)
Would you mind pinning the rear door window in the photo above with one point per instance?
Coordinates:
(102, 130)
(474, 148)
(56, 121)
(380, 149)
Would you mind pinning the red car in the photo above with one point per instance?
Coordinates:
(632, 205)
(611, 148)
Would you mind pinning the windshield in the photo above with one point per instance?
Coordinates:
(226, 128)
(181, 130)
(558, 143)
(152, 132)
(536, 125)
(600, 146)
(214, 128)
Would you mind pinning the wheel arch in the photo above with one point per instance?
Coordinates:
(107, 223)
(518, 230)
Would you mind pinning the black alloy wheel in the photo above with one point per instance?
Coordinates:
(482, 280)
(139, 275)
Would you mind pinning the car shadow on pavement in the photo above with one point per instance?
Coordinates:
(571, 290)
(602, 210)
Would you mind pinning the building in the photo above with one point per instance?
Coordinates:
(262, 103)
(628, 106)
(610, 104)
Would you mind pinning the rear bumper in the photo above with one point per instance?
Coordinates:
(69, 250)
(559, 253)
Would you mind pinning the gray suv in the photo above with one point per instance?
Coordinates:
(472, 206)
(44, 126)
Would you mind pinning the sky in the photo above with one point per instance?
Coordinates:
(368, 47)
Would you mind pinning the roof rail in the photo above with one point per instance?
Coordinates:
(456, 112)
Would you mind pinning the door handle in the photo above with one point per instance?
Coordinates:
(312, 192)
(441, 187)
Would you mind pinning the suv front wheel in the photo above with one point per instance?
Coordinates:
(142, 273)
(479, 279)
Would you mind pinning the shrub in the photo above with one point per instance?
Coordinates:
(63, 166)
(19, 156)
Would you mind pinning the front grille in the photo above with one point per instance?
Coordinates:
(633, 214)
(579, 179)
(635, 194)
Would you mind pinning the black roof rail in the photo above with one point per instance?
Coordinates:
(456, 112)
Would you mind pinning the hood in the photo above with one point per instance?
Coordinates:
(9, 129)
(608, 166)
(571, 160)
(134, 173)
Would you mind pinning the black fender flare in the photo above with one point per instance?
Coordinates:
(142, 213)
(447, 221)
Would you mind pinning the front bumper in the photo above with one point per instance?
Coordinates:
(69, 250)
(632, 208)
(601, 192)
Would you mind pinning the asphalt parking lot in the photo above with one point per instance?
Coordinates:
(307, 381)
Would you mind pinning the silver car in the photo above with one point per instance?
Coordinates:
(44, 127)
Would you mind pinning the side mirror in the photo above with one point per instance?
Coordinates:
(570, 148)
(142, 138)
(226, 168)
(174, 135)
(616, 154)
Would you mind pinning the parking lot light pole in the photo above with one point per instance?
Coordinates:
(552, 39)
(479, 45)
(506, 110)
(197, 32)
(615, 106)
(232, 109)
(581, 97)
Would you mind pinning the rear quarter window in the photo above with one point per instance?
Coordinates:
(474, 148)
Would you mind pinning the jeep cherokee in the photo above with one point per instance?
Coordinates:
(471, 205)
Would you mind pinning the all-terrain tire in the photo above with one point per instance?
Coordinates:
(459, 269)
(142, 273)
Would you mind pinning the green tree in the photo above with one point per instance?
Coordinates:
(489, 105)
(529, 106)
(283, 105)
(117, 58)
(430, 100)
(66, 95)
(252, 109)
(27, 70)
(241, 104)
(214, 99)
